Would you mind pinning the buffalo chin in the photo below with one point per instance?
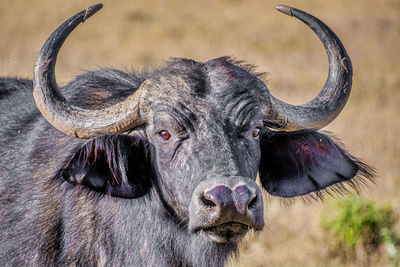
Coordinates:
(226, 233)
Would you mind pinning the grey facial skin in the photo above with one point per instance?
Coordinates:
(157, 168)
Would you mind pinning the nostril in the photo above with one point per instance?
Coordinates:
(245, 198)
(252, 202)
(207, 202)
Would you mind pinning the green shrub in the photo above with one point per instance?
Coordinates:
(356, 223)
(392, 246)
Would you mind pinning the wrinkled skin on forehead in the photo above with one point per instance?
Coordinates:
(210, 111)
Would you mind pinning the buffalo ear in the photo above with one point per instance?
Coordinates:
(297, 163)
(115, 165)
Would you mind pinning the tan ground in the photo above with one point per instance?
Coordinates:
(133, 34)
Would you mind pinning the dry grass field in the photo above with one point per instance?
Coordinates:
(146, 33)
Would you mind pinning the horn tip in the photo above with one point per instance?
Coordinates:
(90, 11)
(284, 9)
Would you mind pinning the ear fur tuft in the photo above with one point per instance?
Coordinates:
(116, 165)
(302, 162)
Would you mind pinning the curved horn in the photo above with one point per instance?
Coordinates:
(68, 118)
(325, 107)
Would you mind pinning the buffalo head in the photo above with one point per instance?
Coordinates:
(197, 134)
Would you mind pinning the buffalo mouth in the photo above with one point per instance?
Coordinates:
(227, 232)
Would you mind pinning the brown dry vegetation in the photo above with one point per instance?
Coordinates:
(133, 34)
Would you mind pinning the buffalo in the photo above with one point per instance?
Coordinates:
(159, 168)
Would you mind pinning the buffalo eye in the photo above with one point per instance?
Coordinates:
(256, 132)
(164, 134)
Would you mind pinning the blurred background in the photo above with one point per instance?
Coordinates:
(131, 35)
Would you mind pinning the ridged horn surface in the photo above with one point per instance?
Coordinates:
(327, 105)
(71, 119)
